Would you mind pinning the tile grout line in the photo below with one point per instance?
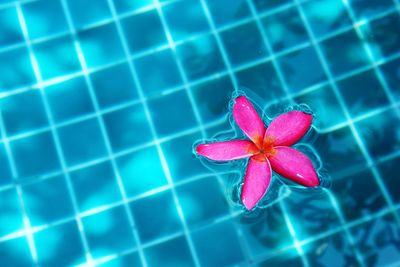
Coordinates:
(329, 233)
(286, 90)
(270, 50)
(363, 148)
(198, 119)
(209, 124)
(150, 51)
(341, 103)
(356, 135)
(172, 137)
(285, 87)
(220, 45)
(54, 133)
(160, 189)
(369, 52)
(161, 155)
(14, 3)
(124, 15)
(293, 234)
(103, 208)
(27, 225)
(244, 66)
(103, 130)
(345, 226)
(225, 58)
(309, 240)
(182, 74)
(196, 36)
(362, 117)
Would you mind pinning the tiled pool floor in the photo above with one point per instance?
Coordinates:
(101, 102)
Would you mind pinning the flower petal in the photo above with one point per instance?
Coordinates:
(248, 120)
(294, 165)
(288, 128)
(229, 150)
(256, 181)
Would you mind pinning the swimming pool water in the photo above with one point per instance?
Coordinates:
(101, 102)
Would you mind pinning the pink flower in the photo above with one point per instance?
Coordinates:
(268, 148)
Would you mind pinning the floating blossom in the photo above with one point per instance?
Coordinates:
(268, 149)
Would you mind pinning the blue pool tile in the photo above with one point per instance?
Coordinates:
(44, 18)
(181, 161)
(56, 57)
(150, 211)
(9, 27)
(16, 69)
(7, 1)
(286, 35)
(200, 57)
(333, 248)
(131, 259)
(243, 43)
(50, 245)
(391, 73)
(344, 53)
(110, 91)
(377, 241)
(326, 16)
(383, 35)
(152, 75)
(11, 216)
(388, 171)
(125, 6)
(141, 171)
(223, 14)
(301, 69)
(325, 106)
(95, 186)
(379, 135)
(202, 201)
(289, 257)
(23, 112)
(267, 5)
(101, 45)
(366, 197)
(223, 126)
(339, 151)
(82, 142)
(364, 9)
(47, 201)
(209, 248)
(5, 170)
(362, 93)
(189, 10)
(263, 80)
(74, 91)
(139, 25)
(310, 214)
(170, 118)
(108, 232)
(127, 127)
(99, 11)
(214, 108)
(16, 253)
(35, 155)
(172, 253)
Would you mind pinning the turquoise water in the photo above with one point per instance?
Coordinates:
(101, 102)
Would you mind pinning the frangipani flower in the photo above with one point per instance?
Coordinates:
(268, 149)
